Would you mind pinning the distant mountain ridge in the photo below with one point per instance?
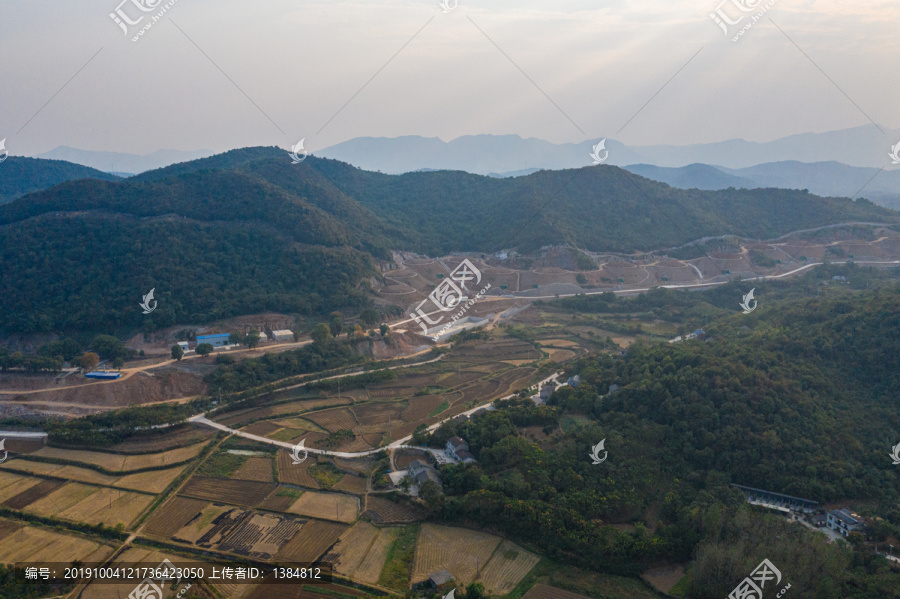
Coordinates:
(20, 175)
(827, 179)
(119, 162)
(863, 146)
(247, 230)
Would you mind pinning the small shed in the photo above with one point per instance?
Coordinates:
(439, 579)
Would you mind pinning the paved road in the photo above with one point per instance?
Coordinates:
(201, 419)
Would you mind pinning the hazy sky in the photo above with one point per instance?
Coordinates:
(299, 62)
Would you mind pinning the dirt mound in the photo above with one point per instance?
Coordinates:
(140, 388)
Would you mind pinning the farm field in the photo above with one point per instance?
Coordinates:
(20, 543)
(154, 481)
(295, 474)
(506, 568)
(385, 511)
(109, 506)
(120, 462)
(314, 539)
(362, 551)
(461, 551)
(12, 484)
(236, 492)
(326, 506)
(351, 484)
(258, 469)
(173, 515)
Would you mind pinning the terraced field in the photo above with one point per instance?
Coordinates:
(314, 539)
(236, 492)
(461, 551)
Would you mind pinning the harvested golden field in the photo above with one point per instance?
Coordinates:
(506, 568)
(108, 506)
(202, 522)
(458, 550)
(334, 419)
(361, 552)
(295, 474)
(154, 481)
(173, 515)
(61, 499)
(326, 506)
(259, 469)
(313, 539)
(236, 492)
(39, 544)
(32, 494)
(12, 484)
(84, 475)
(351, 484)
(385, 511)
(119, 462)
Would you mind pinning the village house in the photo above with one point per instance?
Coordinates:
(844, 521)
(458, 449)
(421, 472)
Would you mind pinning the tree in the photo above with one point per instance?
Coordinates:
(252, 339)
(475, 591)
(385, 329)
(177, 352)
(356, 332)
(336, 323)
(432, 494)
(235, 338)
(118, 362)
(405, 483)
(321, 334)
(89, 360)
(204, 349)
(581, 279)
(369, 317)
(108, 347)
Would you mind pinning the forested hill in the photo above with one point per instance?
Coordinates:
(248, 231)
(601, 208)
(20, 175)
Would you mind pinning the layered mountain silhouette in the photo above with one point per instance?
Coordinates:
(247, 231)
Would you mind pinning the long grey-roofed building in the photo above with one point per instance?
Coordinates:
(777, 501)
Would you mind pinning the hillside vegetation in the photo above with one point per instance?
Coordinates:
(247, 231)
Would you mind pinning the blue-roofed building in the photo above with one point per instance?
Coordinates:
(217, 340)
